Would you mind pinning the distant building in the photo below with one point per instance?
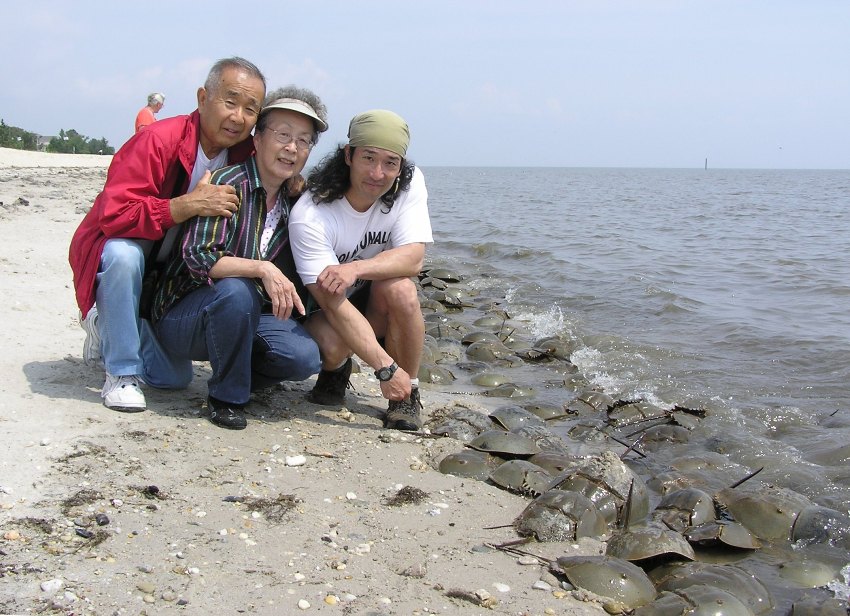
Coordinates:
(42, 142)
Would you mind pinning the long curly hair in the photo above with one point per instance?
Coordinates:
(331, 178)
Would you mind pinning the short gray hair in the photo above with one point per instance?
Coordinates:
(301, 94)
(156, 97)
(214, 78)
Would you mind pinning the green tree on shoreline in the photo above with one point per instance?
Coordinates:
(68, 142)
(17, 138)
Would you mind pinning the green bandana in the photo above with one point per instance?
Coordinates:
(379, 128)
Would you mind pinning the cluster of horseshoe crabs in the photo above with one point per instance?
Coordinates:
(595, 466)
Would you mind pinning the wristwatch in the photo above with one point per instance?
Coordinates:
(385, 374)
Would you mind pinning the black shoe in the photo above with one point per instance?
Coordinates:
(404, 414)
(226, 415)
(330, 386)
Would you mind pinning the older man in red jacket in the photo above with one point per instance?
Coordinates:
(157, 180)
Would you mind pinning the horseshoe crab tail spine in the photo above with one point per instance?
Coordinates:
(632, 446)
(750, 476)
(623, 443)
(627, 510)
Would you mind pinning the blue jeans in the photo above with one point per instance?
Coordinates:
(247, 350)
(128, 344)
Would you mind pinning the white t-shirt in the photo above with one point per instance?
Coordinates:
(204, 164)
(331, 233)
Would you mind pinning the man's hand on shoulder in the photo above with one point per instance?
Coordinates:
(205, 200)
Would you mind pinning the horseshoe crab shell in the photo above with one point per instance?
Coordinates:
(697, 600)
(767, 511)
(487, 351)
(817, 524)
(432, 373)
(640, 543)
(511, 417)
(734, 580)
(481, 336)
(509, 390)
(609, 577)
(555, 463)
(591, 401)
(469, 463)
(545, 411)
(462, 424)
(683, 508)
(504, 444)
(446, 275)
(543, 437)
(607, 481)
(521, 476)
(490, 379)
(724, 532)
(635, 413)
(557, 515)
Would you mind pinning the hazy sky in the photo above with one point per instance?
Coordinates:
(575, 83)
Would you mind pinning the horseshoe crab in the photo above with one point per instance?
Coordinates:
(557, 515)
(446, 331)
(504, 444)
(461, 424)
(724, 532)
(444, 274)
(428, 281)
(734, 580)
(607, 576)
(431, 306)
(509, 390)
(696, 600)
(511, 417)
(808, 573)
(521, 476)
(767, 511)
(491, 322)
(817, 524)
(659, 436)
(446, 299)
(645, 543)
(684, 508)
(811, 606)
(469, 463)
(554, 347)
(544, 437)
(481, 336)
(591, 401)
(555, 463)
(431, 373)
(545, 411)
(636, 413)
(487, 351)
(617, 491)
(490, 379)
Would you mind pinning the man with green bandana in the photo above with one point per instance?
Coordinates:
(358, 235)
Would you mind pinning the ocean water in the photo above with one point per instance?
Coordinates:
(726, 289)
(727, 283)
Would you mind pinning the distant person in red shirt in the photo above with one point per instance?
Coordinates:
(146, 114)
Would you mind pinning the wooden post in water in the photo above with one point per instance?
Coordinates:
(706, 163)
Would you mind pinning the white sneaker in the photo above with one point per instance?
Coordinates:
(123, 393)
(91, 347)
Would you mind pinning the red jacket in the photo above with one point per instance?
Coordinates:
(134, 203)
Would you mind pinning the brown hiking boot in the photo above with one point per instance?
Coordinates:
(404, 414)
(331, 385)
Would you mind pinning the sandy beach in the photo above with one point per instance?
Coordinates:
(161, 511)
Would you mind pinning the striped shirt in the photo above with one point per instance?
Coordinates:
(205, 239)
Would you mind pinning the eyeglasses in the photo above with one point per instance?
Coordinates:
(285, 139)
